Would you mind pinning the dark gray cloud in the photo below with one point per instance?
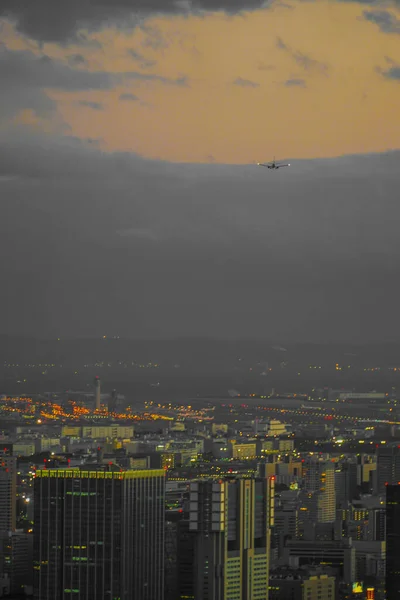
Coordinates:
(47, 20)
(392, 73)
(182, 81)
(245, 83)
(144, 62)
(112, 242)
(27, 69)
(305, 61)
(281, 44)
(386, 21)
(92, 105)
(365, 2)
(295, 82)
(12, 102)
(76, 60)
(23, 68)
(129, 98)
(25, 78)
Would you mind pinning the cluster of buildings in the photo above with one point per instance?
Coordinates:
(199, 511)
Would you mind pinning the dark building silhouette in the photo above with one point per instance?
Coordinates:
(17, 548)
(392, 542)
(388, 468)
(99, 534)
(113, 401)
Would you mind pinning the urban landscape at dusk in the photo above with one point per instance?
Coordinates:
(200, 281)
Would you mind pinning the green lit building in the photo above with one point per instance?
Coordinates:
(99, 534)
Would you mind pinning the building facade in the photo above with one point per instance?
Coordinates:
(392, 542)
(99, 534)
(224, 541)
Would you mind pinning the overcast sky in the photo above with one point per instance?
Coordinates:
(129, 204)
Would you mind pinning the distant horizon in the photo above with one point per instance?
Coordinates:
(276, 345)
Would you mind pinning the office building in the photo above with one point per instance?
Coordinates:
(99, 534)
(392, 542)
(319, 483)
(388, 468)
(17, 566)
(339, 555)
(346, 482)
(8, 492)
(301, 584)
(224, 541)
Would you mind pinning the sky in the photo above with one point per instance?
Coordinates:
(130, 203)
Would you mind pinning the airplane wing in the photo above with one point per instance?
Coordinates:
(279, 166)
(263, 165)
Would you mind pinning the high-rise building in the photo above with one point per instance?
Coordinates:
(392, 542)
(8, 492)
(99, 534)
(172, 519)
(319, 482)
(346, 482)
(388, 468)
(224, 541)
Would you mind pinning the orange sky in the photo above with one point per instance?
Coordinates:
(345, 105)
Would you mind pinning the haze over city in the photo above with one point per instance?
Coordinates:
(130, 203)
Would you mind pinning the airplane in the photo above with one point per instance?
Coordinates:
(272, 165)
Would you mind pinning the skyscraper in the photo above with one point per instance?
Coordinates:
(319, 480)
(392, 542)
(99, 534)
(8, 492)
(224, 546)
(8, 499)
(388, 467)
